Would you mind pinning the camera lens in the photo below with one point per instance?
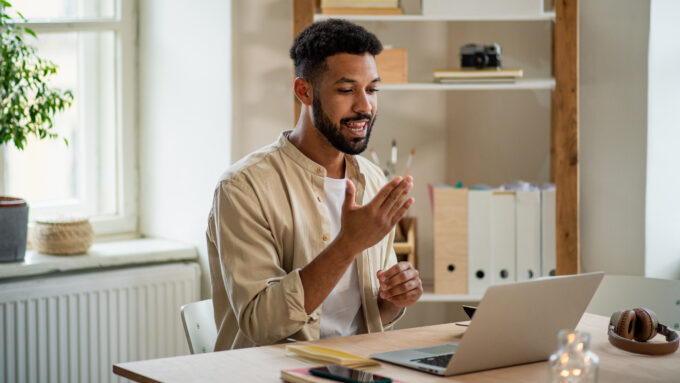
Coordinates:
(481, 60)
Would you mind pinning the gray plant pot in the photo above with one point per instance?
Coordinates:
(13, 228)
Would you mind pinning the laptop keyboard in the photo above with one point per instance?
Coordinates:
(439, 360)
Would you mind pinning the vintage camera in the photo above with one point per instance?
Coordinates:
(480, 56)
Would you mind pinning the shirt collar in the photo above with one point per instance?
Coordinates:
(353, 170)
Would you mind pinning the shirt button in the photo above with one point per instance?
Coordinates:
(318, 198)
(319, 171)
(326, 237)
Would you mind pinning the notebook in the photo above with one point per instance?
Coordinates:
(514, 324)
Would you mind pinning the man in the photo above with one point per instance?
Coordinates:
(300, 234)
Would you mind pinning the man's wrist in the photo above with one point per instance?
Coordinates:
(388, 311)
(346, 245)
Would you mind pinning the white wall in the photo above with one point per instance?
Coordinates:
(263, 73)
(184, 116)
(663, 157)
(613, 119)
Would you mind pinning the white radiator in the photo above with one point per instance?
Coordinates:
(73, 328)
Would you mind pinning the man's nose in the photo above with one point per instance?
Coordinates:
(362, 103)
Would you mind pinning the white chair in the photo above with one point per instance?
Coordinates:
(199, 326)
(619, 292)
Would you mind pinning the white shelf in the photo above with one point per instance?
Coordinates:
(431, 297)
(530, 84)
(546, 16)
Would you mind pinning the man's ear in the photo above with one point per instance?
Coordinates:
(303, 91)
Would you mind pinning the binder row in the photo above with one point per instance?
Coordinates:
(485, 237)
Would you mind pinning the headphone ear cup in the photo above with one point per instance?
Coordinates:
(624, 323)
(645, 324)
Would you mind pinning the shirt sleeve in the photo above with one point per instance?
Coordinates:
(268, 301)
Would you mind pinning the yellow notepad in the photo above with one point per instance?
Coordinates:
(330, 356)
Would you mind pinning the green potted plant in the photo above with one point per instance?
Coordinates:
(27, 108)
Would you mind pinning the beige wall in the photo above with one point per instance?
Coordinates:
(663, 158)
(184, 117)
(613, 115)
(262, 73)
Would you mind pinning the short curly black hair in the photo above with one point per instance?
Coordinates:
(327, 38)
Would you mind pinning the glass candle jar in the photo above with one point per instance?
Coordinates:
(573, 362)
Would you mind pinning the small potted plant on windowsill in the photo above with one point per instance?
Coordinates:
(27, 108)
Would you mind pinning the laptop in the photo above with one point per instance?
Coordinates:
(514, 324)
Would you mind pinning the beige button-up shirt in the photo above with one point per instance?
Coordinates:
(268, 221)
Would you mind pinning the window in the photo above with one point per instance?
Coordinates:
(92, 42)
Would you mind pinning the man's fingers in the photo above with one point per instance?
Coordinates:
(401, 199)
(349, 195)
(394, 196)
(407, 298)
(402, 211)
(394, 270)
(400, 278)
(386, 190)
(402, 288)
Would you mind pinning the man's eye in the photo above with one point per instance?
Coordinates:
(373, 90)
(345, 90)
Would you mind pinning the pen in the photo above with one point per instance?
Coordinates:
(392, 162)
(409, 162)
(394, 152)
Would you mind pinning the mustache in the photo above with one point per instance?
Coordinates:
(360, 116)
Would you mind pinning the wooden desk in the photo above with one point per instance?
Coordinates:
(263, 364)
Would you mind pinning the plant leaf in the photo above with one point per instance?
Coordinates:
(30, 32)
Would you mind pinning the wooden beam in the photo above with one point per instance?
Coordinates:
(566, 132)
(303, 16)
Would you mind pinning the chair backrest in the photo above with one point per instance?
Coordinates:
(199, 326)
(619, 292)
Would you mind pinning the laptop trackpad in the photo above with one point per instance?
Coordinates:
(440, 349)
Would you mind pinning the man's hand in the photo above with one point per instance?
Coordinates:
(364, 226)
(400, 284)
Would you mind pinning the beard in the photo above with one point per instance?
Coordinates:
(333, 132)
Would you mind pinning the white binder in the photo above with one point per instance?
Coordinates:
(503, 237)
(479, 241)
(528, 204)
(548, 232)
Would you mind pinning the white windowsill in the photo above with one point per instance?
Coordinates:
(100, 256)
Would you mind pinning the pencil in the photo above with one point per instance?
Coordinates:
(409, 162)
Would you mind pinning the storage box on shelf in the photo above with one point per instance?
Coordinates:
(485, 237)
(392, 64)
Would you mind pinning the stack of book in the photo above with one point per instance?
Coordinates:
(361, 7)
(457, 76)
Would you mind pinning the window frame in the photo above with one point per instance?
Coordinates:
(124, 223)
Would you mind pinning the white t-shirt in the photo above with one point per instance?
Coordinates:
(341, 310)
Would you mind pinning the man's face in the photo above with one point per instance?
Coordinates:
(345, 101)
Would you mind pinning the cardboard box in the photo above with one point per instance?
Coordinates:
(393, 66)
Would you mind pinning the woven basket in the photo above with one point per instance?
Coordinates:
(62, 236)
